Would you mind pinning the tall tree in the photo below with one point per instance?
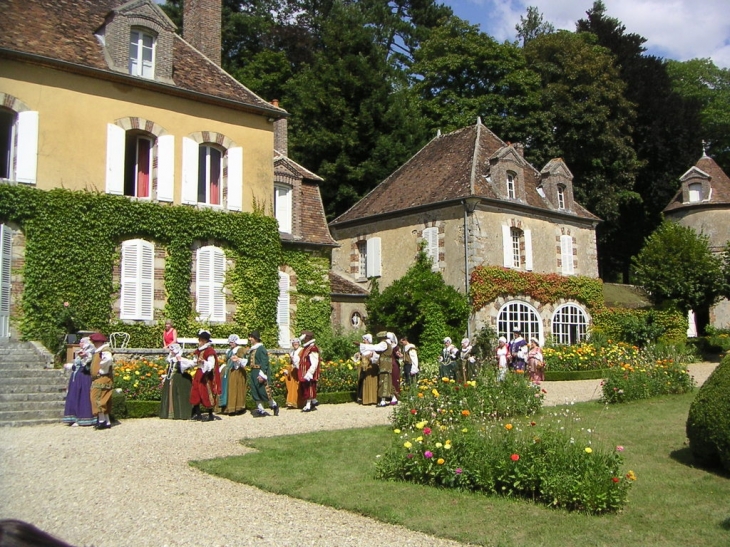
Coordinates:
(676, 265)
(665, 132)
(532, 25)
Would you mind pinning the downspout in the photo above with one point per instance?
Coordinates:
(466, 267)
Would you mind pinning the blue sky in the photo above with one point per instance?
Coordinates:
(674, 29)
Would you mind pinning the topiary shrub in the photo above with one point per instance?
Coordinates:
(708, 423)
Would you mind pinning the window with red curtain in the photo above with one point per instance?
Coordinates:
(144, 167)
(210, 175)
(138, 165)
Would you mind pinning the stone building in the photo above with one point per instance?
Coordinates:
(471, 199)
(104, 96)
(703, 204)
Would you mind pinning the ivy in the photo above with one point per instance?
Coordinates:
(490, 282)
(312, 291)
(72, 240)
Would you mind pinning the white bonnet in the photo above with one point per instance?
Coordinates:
(368, 338)
(175, 349)
(465, 342)
(233, 338)
(447, 340)
(503, 339)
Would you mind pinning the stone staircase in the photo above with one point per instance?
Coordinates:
(30, 393)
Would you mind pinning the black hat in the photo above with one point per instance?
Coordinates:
(204, 335)
(256, 335)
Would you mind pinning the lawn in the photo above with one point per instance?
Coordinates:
(671, 503)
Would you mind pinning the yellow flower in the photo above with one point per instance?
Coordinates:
(407, 444)
(419, 439)
(445, 380)
(447, 446)
(452, 381)
(127, 378)
(438, 445)
(396, 431)
(588, 450)
(508, 426)
(435, 393)
(136, 372)
(465, 430)
(440, 461)
(631, 475)
(421, 425)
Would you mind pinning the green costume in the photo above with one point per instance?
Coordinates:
(258, 361)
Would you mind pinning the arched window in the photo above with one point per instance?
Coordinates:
(695, 192)
(511, 193)
(516, 236)
(282, 310)
(138, 277)
(210, 175)
(517, 247)
(138, 160)
(570, 324)
(212, 171)
(520, 315)
(210, 270)
(561, 197)
(142, 53)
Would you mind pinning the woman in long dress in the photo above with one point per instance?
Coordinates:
(368, 373)
(502, 358)
(293, 397)
(235, 386)
(77, 411)
(535, 362)
(175, 397)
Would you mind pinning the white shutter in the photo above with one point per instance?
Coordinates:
(507, 251)
(115, 149)
(146, 281)
(235, 179)
(219, 278)
(528, 250)
(6, 240)
(26, 154)
(190, 171)
(166, 168)
(282, 310)
(283, 201)
(373, 257)
(203, 283)
(431, 236)
(566, 254)
(130, 279)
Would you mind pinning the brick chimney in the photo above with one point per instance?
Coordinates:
(281, 134)
(202, 27)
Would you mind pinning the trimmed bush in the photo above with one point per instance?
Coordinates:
(708, 423)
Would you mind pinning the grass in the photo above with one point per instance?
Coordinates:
(671, 503)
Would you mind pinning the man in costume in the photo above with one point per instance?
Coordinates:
(102, 381)
(518, 350)
(447, 360)
(207, 379)
(385, 368)
(410, 361)
(309, 371)
(258, 380)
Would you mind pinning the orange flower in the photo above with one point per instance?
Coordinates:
(420, 395)
(465, 413)
(508, 426)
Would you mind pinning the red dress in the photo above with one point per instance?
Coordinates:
(308, 389)
(206, 385)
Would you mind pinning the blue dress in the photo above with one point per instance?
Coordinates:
(78, 398)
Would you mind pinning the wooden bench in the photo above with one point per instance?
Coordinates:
(194, 341)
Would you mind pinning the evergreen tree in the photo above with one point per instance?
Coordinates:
(532, 25)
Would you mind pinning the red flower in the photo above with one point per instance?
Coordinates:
(414, 411)
(615, 479)
(533, 424)
(514, 457)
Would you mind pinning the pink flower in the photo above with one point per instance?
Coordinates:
(514, 457)
(428, 454)
(66, 304)
(426, 430)
(619, 448)
(409, 456)
(458, 470)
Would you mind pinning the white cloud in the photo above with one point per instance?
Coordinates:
(674, 29)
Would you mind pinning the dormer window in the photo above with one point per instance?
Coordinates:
(283, 207)
(694, 192)
(142, 54)
(561, 197)
(511, 185)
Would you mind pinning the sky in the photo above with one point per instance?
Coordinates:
(674, 29)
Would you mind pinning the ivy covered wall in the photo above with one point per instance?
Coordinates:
(72, 239)
(313, 304)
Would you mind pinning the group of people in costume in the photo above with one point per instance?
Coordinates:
(380, 368)
(88, 399)
(458, 364)
(520, 356)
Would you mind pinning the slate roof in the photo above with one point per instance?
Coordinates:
(309, 224)
(61, 32)
(719, 182)
(450, 167)
(340, 285)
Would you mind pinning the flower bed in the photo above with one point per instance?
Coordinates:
(589, 357)
(459, 436)
(627, 382)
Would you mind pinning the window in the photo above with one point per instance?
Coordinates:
(283, 207)
(570, 325)
(6, 241)
(516, 314)
(362, 255)
(517, 247)
(566, 254)
(137, 276)
(516, 235)
(431, 238)
(210, 270)
(142, 54)
(356, 320)
(18, 145)
(210, 174)
(695, 192)
(561, 197)
(282, 311)
(138, 165)
(511, 185)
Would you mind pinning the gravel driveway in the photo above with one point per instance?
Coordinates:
(67, 480)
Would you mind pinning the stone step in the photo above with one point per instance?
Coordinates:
(33, 406)
(32, 373)
(39, 396)
(25, 387)
(40, 380)
(52, 414)
(37, 421)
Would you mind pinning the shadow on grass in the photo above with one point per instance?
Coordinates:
(725, 524)
(685, 457)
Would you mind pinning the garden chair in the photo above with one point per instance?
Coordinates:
(119, 340)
